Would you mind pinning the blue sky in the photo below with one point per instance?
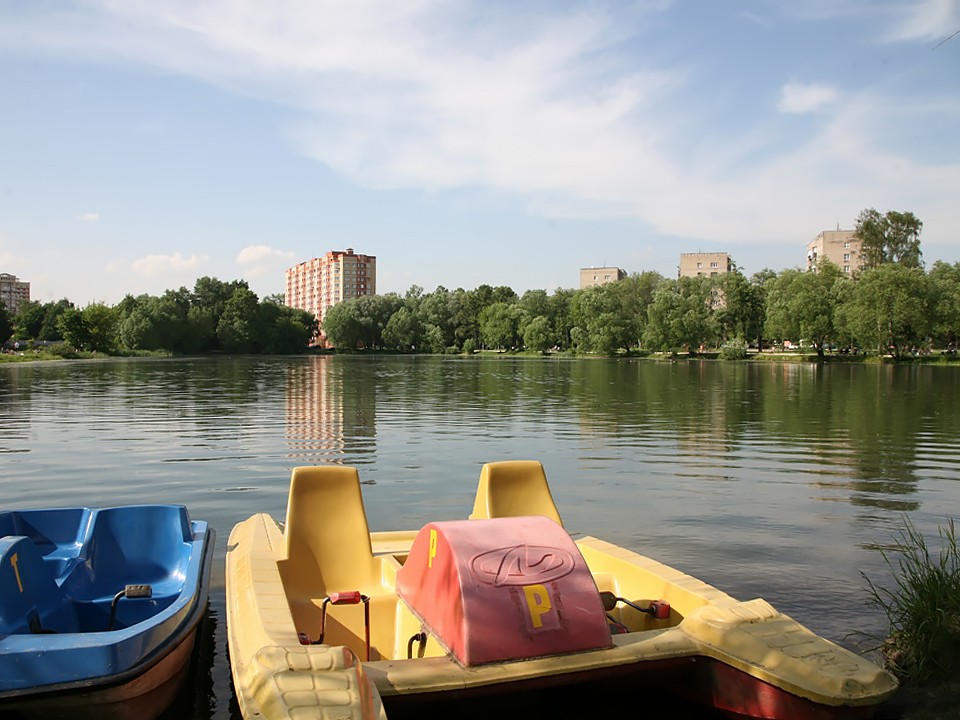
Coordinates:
(144, 144)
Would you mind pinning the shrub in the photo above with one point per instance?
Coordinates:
(922, 607)
(61, 349)
(734, 350)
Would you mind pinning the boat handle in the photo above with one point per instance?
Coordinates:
(351, 597)
(658, 609)
(130, 591)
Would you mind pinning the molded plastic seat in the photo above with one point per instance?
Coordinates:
(30, 599)
(327, 538)
(58, 534)
(136, 544)
(513, 488)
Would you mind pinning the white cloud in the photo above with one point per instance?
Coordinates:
(259, 253)
(926, 20)
(152, 265)
(575, 114)
(90, 217)
(798, 98)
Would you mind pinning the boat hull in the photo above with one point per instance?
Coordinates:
(371, 653)
(145, 697)
(72, 645)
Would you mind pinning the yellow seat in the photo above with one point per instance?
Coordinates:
(326, 534)
(513, 488)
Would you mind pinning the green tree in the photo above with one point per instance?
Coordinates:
(538, 335)
(889, 309)
(741, 313)
(945, 286)
(237, 328)
(38, 321)
(679, 316)
(498, 325)
(435, 316)
(801, 305)
(890, 238)
(605, 317)
(373, 313)
(73, 328)
(342, 327)
(403, 330)
(150, 323)
(28, 320)
(560, 316)
(6, 324)
(52, 311)
(284, 330)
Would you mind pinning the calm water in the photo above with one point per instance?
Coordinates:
(776, 481)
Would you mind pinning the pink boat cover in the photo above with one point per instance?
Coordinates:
(503, 589)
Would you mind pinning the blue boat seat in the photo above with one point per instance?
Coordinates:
(514, 488)
(57, 533)
(327, 538)
(132, 545)
(30, 599)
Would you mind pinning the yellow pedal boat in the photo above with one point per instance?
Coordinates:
(326, 619)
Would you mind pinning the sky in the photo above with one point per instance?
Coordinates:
(146, 144)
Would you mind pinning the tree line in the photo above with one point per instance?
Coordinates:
(216, 316)
(892, 309)
(891, 306)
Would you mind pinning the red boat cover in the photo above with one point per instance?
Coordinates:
(503, 589)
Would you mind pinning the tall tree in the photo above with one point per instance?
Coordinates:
(6, 324)
(741, 313)
(498, 325)
(237, 329)
(945, 285)
(801, 305)
(74, 329)
(679, 316)
(403, 330)
(342, 326)
(889, 308)
(890, 238)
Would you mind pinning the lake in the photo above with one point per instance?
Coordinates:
(773, 480)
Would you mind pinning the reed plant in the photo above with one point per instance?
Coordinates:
(922, 605)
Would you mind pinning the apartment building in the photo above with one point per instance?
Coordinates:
(839, 247)
(13, 292)
(710, 264)
(600, 276)
(318, 284)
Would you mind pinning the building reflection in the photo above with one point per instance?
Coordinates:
(330, 413)
(314, 413)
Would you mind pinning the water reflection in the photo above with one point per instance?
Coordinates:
(778, 481)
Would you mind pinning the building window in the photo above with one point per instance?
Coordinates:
(846, 268)
(846, 257)
(713, 265)
(846, 245)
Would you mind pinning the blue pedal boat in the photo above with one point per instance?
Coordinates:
(99, 608)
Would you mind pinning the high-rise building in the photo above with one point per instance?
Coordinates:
(839, 247)
(318, 284)
(13, 292)
(710, 264)
(600, 276)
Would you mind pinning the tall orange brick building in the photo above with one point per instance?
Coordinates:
(318, 284)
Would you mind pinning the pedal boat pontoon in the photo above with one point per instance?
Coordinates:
(326, 619)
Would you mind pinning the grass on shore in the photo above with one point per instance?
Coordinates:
(922, 606)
